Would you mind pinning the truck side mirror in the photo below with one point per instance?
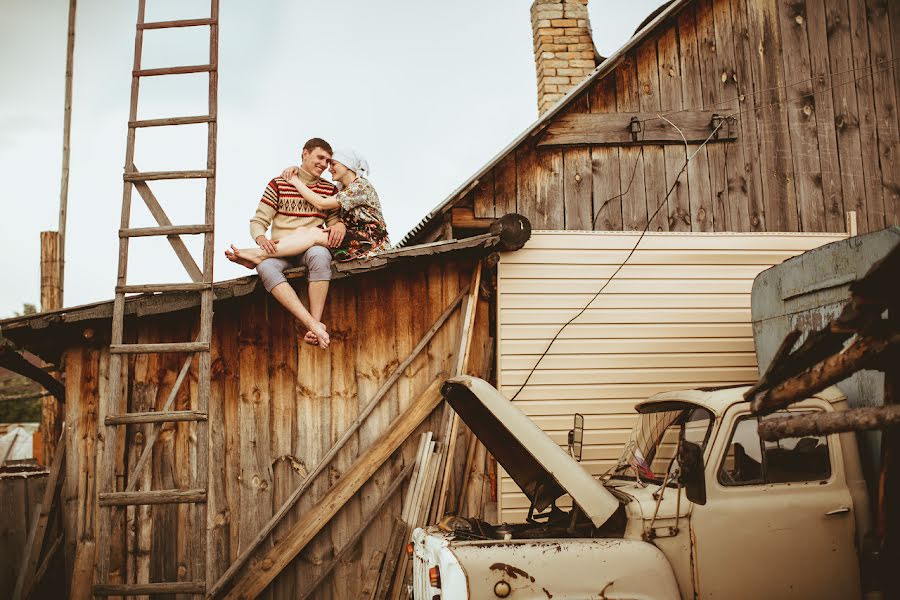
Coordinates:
(576, 436)
(690, 459)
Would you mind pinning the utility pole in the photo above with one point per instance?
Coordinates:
(67, 128)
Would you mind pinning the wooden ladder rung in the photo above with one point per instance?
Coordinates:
(152, 497)
(151, 288)
(134, 589)
(153, 175)
(159, 348)
(178, 23)
(172, 121)
(155, 417)
(165, 230)
(173, 70)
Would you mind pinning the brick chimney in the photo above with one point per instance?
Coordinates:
(563, 47)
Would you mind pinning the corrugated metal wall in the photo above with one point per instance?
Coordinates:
(677, 316)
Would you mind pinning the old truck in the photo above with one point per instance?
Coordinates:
(696, 507)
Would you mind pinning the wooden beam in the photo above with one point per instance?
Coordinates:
(462, 362)
(865, 352)
(162, 219)
(373, 575)
(271, 563)
(464, 218)
(823, 423)
(324, 462)
(15, 362)
(39, 527)
(51, 288)
(83, 571)
(360, 529)
(616, 129)
(67, 130)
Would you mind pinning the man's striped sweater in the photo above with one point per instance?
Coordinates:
(283, 208)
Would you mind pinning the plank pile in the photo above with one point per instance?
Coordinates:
(415, 513)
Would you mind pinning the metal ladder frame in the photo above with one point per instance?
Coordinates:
(109, 498)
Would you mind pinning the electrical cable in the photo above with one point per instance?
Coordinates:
(688, 157)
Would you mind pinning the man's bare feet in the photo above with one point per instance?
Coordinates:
(242, 257)
(311, 339)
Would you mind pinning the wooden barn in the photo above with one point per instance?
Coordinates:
(401, 324)
(717, 117)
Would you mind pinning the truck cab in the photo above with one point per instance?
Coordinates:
(697, 506)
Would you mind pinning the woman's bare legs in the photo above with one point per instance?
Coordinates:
(292, 244)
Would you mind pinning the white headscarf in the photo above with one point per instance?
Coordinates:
(353, 160)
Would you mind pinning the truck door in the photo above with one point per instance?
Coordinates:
(778, 519)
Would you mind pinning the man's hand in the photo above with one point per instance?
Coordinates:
(266, 244)
(336, 234)
(291, 171)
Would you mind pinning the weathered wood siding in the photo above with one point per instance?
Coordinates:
(20, 493)
(277, 406)
(813, 85)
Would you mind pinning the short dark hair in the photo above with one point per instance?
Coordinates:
(314, 143)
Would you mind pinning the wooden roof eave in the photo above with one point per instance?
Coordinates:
(169, 302)
(601, 71)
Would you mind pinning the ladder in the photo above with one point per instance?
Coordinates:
(112, 501)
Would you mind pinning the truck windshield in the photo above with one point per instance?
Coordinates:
(654, 440)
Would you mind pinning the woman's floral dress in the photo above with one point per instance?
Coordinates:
(360, 211)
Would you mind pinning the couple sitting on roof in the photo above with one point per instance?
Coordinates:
(311, 221)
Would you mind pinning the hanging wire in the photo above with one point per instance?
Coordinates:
(730, 118)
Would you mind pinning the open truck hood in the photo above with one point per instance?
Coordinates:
(538, 465)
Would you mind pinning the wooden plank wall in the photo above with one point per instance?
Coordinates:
(814, 87)
(277, 406)
(19, 494)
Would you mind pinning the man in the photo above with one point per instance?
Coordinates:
(284, 210)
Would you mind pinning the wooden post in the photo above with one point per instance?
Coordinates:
(851, 223)
(51, 299)
(451, 431)
(67, 129)
(51, 285)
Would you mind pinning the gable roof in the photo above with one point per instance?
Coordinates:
(647, 28)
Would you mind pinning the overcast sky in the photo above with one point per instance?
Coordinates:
(427, 91)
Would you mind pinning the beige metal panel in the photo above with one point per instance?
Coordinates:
(563, 347)
(623, 361)
(592, 331)
(589, 287)
(575, 302)
(611, 376)
(517, 316)
(588, 257)
(655, 272)
(677, 316)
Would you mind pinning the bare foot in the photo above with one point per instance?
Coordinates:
(311, 339)
(235, 258)
(321, 333)
(245, 257)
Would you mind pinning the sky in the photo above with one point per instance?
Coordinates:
(427, 91)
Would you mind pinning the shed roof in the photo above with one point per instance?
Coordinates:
(647, 28)
(167, 302)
